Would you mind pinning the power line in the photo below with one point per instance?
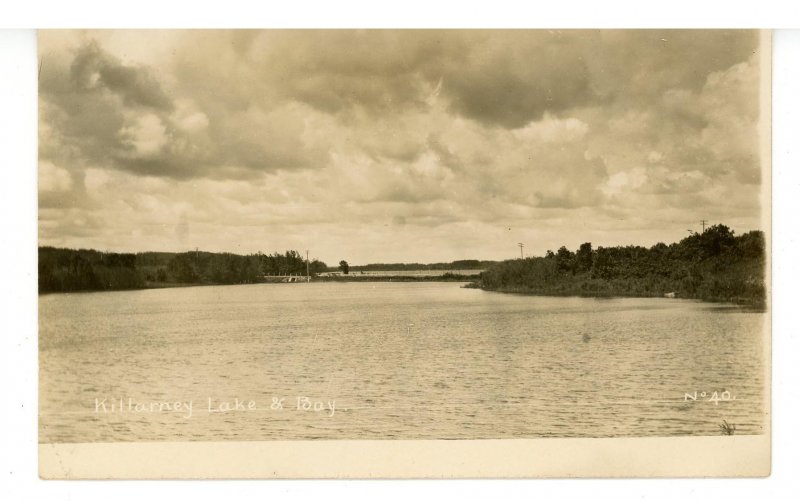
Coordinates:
(703, 222)
(521, 245)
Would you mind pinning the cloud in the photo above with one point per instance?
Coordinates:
(95, 179)
(553, 130)
(634, 66)
(189, 118)
(360, 139)
(266, 140)
(52, 178)
(504, 78)
(511, 78)
(146, 135)
(93, 69)
(122, 116)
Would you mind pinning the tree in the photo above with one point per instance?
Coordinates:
(602, 266)
(716, 240)
(344, 267)
(181, 268)
(564, 259)
(583, 258)
(316, 267)
(752, 244)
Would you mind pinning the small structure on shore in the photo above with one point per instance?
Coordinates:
(284, 278)
(669, 294)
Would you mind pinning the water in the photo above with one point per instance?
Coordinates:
(403, 273)
(395, 361)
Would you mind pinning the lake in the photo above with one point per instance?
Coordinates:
(401, 273)
(378, 360)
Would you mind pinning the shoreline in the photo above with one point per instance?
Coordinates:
(468, 280)
(740, 302)
(352, 278)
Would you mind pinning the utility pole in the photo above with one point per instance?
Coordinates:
(521, 245)
(703, 222)
(308, 276)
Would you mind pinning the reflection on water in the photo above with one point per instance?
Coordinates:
(391, 360)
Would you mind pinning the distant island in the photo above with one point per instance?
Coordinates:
(714, 265)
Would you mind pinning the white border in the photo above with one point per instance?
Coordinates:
(683, 457)
(409, 13)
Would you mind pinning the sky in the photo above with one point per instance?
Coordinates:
(395, 146)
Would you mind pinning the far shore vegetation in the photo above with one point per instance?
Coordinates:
(83, 270)
(714, 265)
(68, 270)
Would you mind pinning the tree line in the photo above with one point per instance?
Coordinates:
(714, 265)
(66, 270)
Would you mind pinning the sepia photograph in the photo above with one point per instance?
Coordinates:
(431, 245)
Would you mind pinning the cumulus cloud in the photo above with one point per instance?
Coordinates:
(512, 78)
(93, 70)
(124, 116)
(551, 129)
(53, 178)
(146, 135)
(95, 179)
(463, 142)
